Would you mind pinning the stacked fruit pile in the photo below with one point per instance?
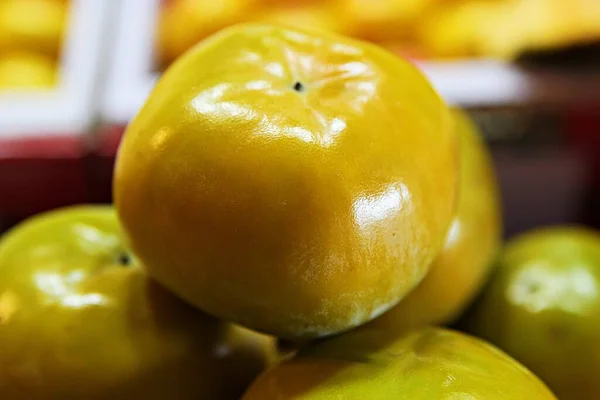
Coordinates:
(31, 33)
(315, 189)
(431, 29)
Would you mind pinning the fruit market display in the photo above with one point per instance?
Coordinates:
(300, 186)
(423, 29)
(31, 34)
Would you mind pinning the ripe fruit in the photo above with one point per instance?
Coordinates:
(314, 16)
(543, 307)
(183, 23)
(465, 29)
(506, 29)
(296, 183)
(472, 243)
(26, 71)
(376, 364)
(80, 320)
(32, 25)
(381, 20)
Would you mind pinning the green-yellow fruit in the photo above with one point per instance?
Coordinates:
(80, 320)
(296, 182)
(543, 307)
(472, 242)
(374, 364)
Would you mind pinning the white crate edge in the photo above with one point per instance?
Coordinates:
(70, 107)
(130, 77)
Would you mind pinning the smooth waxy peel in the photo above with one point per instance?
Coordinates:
(298, 183)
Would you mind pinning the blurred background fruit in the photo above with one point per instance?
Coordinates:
(20, 70)
(507, 28)
(429, 29)
(382, 20)
(31, 37)
(542, 306)
(317, 15)
(184, 23)
(35, 25)
(462, 29)
(377, 364)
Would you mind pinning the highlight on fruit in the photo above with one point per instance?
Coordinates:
(274, 199)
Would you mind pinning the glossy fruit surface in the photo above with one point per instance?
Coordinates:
(472, 242)
(297, 183)
(543, 308)
(80, 320)
(25, 71)
(428, 364)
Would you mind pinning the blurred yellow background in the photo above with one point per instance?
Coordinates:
(423, 29)
(32, 31)
(31, 35)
